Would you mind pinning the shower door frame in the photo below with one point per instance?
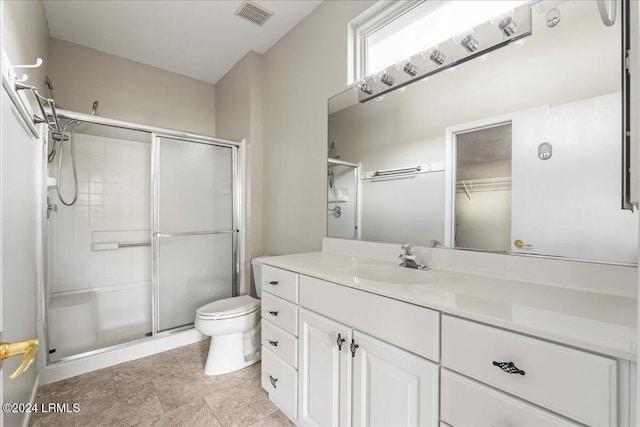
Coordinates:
(155, 216)
(238, 182)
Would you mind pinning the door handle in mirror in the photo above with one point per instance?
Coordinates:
(520, 244)
(26, 347)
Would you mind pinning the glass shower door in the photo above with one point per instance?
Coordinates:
(194, 228)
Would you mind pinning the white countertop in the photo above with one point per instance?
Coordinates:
(592, 321)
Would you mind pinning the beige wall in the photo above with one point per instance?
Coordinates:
(25, 35)
(239, 115)
(128, 90)
(301, 71)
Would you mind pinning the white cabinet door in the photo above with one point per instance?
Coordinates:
(392, 387)
(323, 371)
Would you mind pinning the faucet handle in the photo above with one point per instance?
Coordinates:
(407, 248)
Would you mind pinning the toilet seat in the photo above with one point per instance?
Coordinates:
(228, 308)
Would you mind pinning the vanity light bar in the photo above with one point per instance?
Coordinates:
(484, 38)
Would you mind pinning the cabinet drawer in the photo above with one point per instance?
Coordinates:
(280, 282)
(280, 312)
(281, 343)
(281, 382)
(574, 383)
(408, 326)
(468, 403)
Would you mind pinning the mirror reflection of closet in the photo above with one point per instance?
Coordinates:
(483, 189)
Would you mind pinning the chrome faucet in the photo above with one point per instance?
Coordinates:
(409, 259)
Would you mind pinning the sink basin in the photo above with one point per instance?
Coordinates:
(392, 274)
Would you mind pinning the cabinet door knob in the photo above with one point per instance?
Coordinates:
(273, 313)
(273, 381)
(339, 341)
(508, 367)
(354, 347)
(273, 282)
(273, 343)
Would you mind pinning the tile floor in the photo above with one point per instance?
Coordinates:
(166, 389)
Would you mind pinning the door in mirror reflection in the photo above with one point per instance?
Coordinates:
(483, 188)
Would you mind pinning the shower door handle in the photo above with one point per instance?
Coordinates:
(26, 347)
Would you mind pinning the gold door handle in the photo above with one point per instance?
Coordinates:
(26, 347)
(520, 244)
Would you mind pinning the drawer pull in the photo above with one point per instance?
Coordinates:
(273, 381)
(354, 347)
(339, 341)
(273, 313)
(273, 343)
(273, 282)
(508, 367)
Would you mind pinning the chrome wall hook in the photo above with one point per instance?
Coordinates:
(24, 76)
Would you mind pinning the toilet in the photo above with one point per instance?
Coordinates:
(234, 327)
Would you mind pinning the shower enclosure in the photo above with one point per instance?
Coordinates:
(342, 199)
(152, 236)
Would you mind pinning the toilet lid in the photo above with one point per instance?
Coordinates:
(229, 307)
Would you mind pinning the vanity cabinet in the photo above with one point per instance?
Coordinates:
(465, 402)
(334, 355)
(347, 377)
(280, 338)
(323, 371)
(391, 386)
(356, 358)
(574, 383)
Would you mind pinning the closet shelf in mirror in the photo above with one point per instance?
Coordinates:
(485, 184)
(404, 172)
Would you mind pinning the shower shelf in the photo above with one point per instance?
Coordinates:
(51, 183)
(338, 195)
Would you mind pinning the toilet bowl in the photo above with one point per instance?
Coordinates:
(234, 327)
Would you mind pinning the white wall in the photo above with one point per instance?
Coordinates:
(25, 37)
(129, 90)
(306, 67)
(239, 115)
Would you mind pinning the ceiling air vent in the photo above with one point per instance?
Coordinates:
(253, 13)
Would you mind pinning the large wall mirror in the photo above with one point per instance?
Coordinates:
(519, 151)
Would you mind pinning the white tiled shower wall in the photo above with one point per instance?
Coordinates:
(114, 194)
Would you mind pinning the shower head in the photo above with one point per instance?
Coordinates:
(94, 108)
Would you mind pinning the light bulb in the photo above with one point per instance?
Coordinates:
(385, 78)
(435, 55)
(506, 23)
(468, 41)
(363, 86)
(406, 66)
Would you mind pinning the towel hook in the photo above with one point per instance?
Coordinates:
(24, 76)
